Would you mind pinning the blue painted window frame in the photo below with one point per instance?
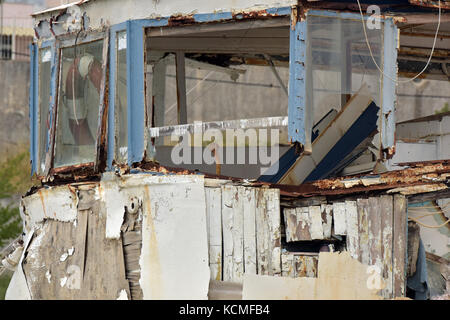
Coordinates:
(137, 133)
(135, 89)
(34, 111)
(298, 113)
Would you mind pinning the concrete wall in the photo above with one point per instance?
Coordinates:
(14, 93)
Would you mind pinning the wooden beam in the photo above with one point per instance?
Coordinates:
(181, 88)
(399, 246)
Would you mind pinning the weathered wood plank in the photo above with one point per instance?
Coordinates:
(316, 230)
(351, 217)
(287, 265)
(386, 203)
(375, 240)
(413, 247)
(273, 213)
(303, 231)
(213, 198)
(262, 231)
(249, 204)
(290, 223)
(340, 224)
(80, 265)
(399, 245)
(228, 193)
(327, 211)
(363, 227)
(238, 234)
(305, 266)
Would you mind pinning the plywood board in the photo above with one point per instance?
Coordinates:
(339, 277)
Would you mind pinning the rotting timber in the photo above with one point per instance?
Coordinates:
(113, 219)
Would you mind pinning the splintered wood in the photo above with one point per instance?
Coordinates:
(79, 265)
(243, 224)
(374, 231)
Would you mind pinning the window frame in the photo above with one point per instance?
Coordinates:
(61, 43)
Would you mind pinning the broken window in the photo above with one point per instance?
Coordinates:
(219, 74)
(121, 105)
(339, 64)
(78, 104)
(44, 102)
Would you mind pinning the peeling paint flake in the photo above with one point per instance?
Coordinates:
(57, 203)
(122, 295)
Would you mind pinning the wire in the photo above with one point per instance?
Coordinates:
(376, 64)
(424, 215)
(429, 226)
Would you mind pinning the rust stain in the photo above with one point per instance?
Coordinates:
(42, 197)
(431, 3)
(153, 257)
(180, 20)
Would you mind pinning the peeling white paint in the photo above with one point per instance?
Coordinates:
(63, 257)
(122, 295)
(57, 203)
(316, 229)
(63, 281)
(48, 276)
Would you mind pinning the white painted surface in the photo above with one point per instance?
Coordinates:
(174, 256)
(58, 203)
(115, 202)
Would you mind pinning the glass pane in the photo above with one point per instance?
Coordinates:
(44, 102)
(121, 135)
(339, 62)
(78, 105)
(161, 93)
(240, 92)
(216, 93)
